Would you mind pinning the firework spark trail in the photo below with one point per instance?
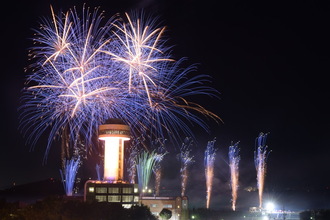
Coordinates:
(98, 171)
(68, 175)
(209, 158)
(186, 159)
(144, 165)
(260, 159)
(234, 159)
(85, 73)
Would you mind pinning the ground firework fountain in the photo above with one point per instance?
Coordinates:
(186, 159)
(145, 163)
(157, 169)
(234, 159)
(209, 158)
(68, 175)
(260, 159)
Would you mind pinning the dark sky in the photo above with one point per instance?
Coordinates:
(269, 61)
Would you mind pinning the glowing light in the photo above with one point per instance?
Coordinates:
(209, 158)
(260, 158)
(270, 207)
(234, 159)
(114, 136)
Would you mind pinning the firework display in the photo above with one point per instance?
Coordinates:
(87, 69)
(186, 159)
(234, 159)
(209, 158)
(145, 163)
(260, 159)
(68, 175)
(159, 145)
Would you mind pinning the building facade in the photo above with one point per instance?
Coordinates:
(102, 191)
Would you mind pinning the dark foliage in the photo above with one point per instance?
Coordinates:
(58, 208)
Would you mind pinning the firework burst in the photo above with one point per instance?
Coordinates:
(87, 69)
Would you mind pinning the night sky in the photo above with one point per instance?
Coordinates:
(269, 61)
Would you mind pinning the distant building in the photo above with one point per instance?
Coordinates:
(120, 192)
(178, 206)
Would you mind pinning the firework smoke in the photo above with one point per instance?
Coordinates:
(234, 159)
(209, 158)
(186, 159)
(260, 159)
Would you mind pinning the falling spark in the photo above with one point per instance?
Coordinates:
(234, 159)
(260, 159)
(68, 175)
(186, 159)
(209, 158)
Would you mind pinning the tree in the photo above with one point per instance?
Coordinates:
(165, 214)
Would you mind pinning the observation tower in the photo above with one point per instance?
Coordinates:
(113, 188)
(114, 133)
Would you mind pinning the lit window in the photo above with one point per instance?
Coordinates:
(113, 190)
(136, 198)
(127, 199)
(101, 189)
(91, 189)
(136, 190)
(167, 206)
(113, 198)
(101, 198)
(153, 205)
(127, 190)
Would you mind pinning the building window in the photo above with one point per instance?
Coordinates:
(167, 206)
(101, 198)
(136, 198)
(91, 189)
(153, 205)
(113, 198)
(101, 189)
(127, 199)
(136, 190)
(127, 190)
(113, 190)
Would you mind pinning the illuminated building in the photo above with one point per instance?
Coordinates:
(114, 192)
(113, 188)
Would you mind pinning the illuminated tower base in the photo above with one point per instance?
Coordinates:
(113, 189)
